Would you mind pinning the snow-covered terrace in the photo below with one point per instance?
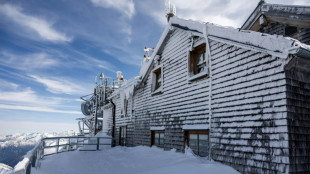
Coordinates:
(130, 160)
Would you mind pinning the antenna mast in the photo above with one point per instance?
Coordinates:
(170, 10)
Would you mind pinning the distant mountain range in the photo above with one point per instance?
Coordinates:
(14, 147)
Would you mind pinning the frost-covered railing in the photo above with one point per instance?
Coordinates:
(54, 145)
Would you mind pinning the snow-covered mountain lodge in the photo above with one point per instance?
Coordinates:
(238, 96)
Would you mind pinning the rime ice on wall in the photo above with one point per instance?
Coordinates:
(107, 120)
(249, 99)
(298, 103)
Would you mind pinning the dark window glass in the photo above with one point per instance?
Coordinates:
(122, 135)
(198, 141)
(290, 30)
(198, 59)
(158, 78)
(158, 138)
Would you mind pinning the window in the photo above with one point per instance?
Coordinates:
(122, 135)
(198, 141)
(197, 62)
(125, 107)
(158, 138)
(290, 30)
(157, 80)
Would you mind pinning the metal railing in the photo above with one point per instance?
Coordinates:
(54, 145)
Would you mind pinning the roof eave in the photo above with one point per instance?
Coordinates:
(253, 16)
(303, 53)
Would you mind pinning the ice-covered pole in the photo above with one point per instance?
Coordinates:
(205, 33)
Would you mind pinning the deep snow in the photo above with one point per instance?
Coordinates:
(130, 160)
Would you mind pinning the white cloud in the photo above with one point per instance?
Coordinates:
(127, 7)
(59, 86)
(224, 21)
(37, 108)
(222, 12)
(40, 26)
(27, 61)
(10, 127)
(26, 96)
(289, 2)
(5, 84)
(28, 100)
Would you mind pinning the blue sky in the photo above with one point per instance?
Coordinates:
(50, 51)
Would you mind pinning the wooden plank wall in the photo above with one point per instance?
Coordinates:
(298, 93)
(249, 110)
(303, 34)
(249, 125)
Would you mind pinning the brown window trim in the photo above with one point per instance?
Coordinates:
(153, 137)
(193, 58)
(199, 132)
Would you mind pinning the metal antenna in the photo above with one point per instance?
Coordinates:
(170, 10)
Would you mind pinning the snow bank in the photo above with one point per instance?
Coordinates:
(5, 169)
(131, 160)
(22, 164)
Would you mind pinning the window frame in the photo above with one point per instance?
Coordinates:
(153, 134)
(198, 132)
(124, 109)
(120, 142)
(198, 48)
(157, 89)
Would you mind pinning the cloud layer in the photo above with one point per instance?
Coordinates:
(126, 7)
(59, 86)
(40, 26)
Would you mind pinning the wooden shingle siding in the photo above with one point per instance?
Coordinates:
(298, 94)
(303, 34)
(249, 110)
(250, 107)
(180, 103)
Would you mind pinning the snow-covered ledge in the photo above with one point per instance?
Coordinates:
(157, 128)
(194, 77)
(196, 127)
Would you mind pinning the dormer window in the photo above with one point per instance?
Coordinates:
(157, 80)
(197, 62)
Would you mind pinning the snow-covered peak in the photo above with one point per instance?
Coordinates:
(28, 139)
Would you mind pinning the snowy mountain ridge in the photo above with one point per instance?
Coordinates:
(28, 139)
(13, 147)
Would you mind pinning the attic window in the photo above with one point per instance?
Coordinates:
(290, 30)
(157, 80)
(197, 62)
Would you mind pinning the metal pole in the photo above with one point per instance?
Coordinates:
(57, 145)
(97, 143)
(113, 125)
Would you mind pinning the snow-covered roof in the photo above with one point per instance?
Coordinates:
(275, 45)
(127, 88)
(279, 13)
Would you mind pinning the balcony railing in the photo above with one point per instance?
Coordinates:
(54, 145)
